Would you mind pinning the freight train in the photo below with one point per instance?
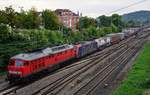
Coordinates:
(23, 65)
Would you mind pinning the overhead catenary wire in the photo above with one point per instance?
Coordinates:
(125, 7)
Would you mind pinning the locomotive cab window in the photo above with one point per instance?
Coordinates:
(18, 63)
(11, 62)
(26, 63)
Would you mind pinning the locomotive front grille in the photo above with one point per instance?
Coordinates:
(15, 72)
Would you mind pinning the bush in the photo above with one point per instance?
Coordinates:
(5, 32)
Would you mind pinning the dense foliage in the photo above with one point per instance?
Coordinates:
(86, 22)
(115, 21)
(50, 20)
(29, 19)
(137, 18)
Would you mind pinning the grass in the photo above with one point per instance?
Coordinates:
(138, 79)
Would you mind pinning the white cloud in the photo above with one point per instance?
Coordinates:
(87, 7)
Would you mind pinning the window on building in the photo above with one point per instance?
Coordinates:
(66, 18)
(74, 19)
(70, 22)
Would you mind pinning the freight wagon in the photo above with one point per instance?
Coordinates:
(103, 42)
(116, 37)
(130, 31)
(86, 48)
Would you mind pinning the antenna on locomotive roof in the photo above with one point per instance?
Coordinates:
(47, 51)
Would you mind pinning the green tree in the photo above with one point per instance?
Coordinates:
(28, 20)
(114, 28)
(104, 21)
(50, 20)
(8, 16)
(116, 20)
(5, 32)
(11, 15)
(86, 22)
(33, 18)
(3, 17)
(131, 23)
(21, 20)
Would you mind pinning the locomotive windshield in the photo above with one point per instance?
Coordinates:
(11, 62)
(19, 63)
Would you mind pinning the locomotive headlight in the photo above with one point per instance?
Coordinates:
(14, 72)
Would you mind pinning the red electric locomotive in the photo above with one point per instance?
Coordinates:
(24, 65)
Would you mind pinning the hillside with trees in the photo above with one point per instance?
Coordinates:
(137, 18)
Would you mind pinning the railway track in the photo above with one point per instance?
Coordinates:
(112, 75)
(54, 90)
(101, 76)
(9, 89)
(88, 66)
(53, 85)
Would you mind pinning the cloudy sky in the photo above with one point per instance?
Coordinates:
(92, 8)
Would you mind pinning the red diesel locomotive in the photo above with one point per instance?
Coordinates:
(24, 65)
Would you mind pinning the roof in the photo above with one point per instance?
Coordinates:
(42, 53)
(85, 42)
(130, 29)
(114, 34)
(68, 12)
(101, 38)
